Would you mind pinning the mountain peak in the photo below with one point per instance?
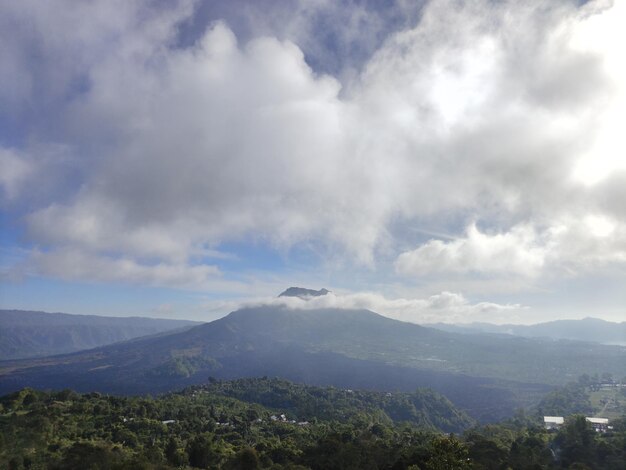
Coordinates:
(303, 293)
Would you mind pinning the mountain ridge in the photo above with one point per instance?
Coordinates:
(27, 333)
(585, 329)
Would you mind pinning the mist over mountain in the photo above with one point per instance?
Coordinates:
(26, 334)
(587, 329)
(487, 376)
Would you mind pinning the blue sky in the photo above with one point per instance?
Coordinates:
(433, 161)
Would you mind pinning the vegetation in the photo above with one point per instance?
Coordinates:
(570, 399)
(599, 396)
(271, 423)
(422, 408)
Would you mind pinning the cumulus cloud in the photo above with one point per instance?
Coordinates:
(516, 252)
(496, 112)
(568, 247)
(185, 174)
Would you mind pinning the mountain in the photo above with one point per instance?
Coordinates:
(587, 329)
(302, 292)
(488, 376)
(26, 334)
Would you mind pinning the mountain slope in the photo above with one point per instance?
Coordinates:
(486, 375)
(26, 334)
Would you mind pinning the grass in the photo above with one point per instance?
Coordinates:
(608, 403)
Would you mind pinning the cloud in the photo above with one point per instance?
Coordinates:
(443, 307)
(15, 169)
(336, 37)
(514, 252)
(186, 176)
(81, 266)
(568, 247)
(486, 112)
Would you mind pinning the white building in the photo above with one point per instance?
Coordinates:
(553, 422)
(599, 424)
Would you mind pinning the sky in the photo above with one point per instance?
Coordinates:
(443, 160)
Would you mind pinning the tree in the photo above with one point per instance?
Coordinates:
(174, 454)
(88, 456)
(529, 453)
(199, 450)
(245, 459)
(448, 453)
(486, 453)
(577, 442)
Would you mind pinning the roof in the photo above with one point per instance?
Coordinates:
(598, 420)
(553, 419)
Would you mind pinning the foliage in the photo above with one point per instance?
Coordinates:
(423, 407)
(271, 423)
(570, 399)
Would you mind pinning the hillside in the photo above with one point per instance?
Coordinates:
(25, 334)
(207, 425)
(488, 376)
(276, 424)
(422, 408)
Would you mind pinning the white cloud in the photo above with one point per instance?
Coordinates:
(567, 247)
(516, 252)
(483, 111)
(187, 176)
(603, 30)
(443, 307)
(588, 244)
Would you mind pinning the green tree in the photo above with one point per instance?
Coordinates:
(448, 453)
(174, 454)
(88, 456)
(577, 442)
(245, 459)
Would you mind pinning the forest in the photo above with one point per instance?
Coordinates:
(276, 424)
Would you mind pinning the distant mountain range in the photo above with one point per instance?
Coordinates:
(587, 329)
(25, 334)
(489, 376)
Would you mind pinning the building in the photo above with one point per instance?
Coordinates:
(599, 424)
(553, 422)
